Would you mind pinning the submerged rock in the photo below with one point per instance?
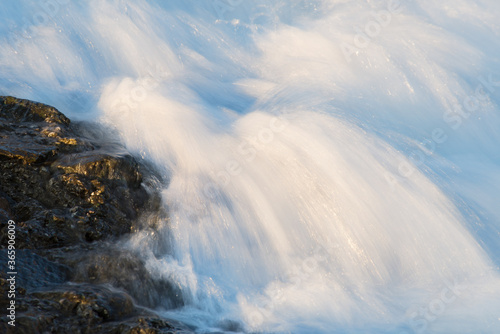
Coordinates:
(72, 193)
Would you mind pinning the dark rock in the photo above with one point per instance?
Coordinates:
(45, 165)
(5, 207)
(101, 263)
(145, 325)
(34, 271)
(86, 309)
(126, 270)
(73, 192)
(18, 110)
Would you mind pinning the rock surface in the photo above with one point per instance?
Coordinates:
(73, 193)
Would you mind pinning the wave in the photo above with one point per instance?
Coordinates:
(333, 166)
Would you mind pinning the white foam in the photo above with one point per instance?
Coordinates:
(295, 203)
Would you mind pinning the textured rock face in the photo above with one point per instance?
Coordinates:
(68, 182)
(72, 192)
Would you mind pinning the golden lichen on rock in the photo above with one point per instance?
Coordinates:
(68, 141)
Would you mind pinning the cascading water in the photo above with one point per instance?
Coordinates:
(333, 166)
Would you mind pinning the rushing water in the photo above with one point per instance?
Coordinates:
(333, 166)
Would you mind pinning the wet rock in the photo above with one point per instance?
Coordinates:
(104, 263)
(73, 192)
(124, 269)
(19, 110)
(145, 325)
(46, 165)
(85, 309)
(34, 271)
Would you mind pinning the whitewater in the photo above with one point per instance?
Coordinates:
(329, 166)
